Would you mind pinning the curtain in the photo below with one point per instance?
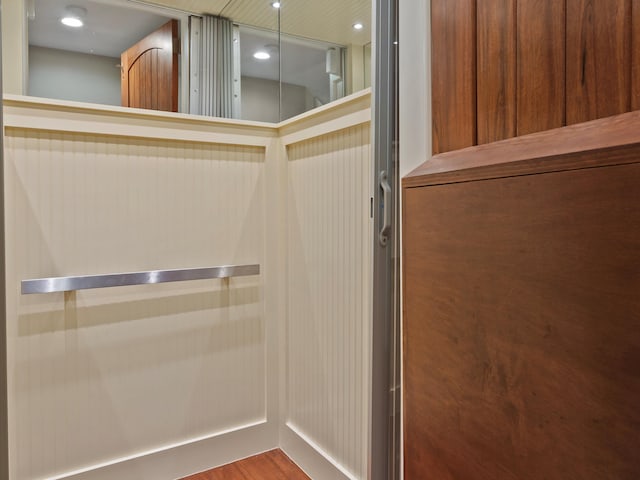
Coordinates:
(211, 73)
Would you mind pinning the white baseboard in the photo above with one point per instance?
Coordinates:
(184, 458)
(316, 463)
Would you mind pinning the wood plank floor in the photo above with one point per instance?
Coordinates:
(271, 465)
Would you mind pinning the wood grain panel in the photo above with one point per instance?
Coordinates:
(540, 65)
(146, 85)
(155, 72)
(143, 83)
(496, 77)
(164, 82)
(607, 141)
(635, 55)
(598, 59)
(522, 335)
(453, 60)
(271, 465)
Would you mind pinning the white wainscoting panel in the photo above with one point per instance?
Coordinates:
(329, 285)
(104, 376)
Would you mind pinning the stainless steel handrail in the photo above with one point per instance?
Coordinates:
(67, 284)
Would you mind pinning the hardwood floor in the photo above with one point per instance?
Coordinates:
(271, 465)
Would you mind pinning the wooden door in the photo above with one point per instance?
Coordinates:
(149, 76)
(521, 308)
(502, 68)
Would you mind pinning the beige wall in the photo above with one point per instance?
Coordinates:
(163, 380)
(14, 42)
(111, 376)
(359, 62)
(329, 294)
(67, 75)
(414, 83)
(260, 100)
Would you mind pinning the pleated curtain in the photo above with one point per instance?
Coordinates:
(216, 67)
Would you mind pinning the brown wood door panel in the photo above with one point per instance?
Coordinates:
(496, 60)
(522, 327)
(598, 59)
(150, 71)
(453, 60)
(635, 55)
(538, 65)
(540, 62)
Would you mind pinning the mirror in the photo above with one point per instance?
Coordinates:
(256, 62)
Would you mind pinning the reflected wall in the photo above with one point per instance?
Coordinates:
(281, 62)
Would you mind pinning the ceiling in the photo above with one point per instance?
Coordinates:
(327, 20)
(113, 25)
(107, 31)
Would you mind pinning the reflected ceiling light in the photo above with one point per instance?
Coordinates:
(276, 4)
(31, 9)
(358, 26)
(261, 55)
(74, 16)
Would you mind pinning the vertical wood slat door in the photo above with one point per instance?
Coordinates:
(538, 65)
(598, 59)
(635, 55)
(150, 71)
(540, 57)
(454, 74)
(496, 58)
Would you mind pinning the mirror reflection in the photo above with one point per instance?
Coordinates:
(247, 59)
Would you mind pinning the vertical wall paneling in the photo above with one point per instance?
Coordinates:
(540, 57)
(275, 291)
(328, 313)
(453, 57)
(4, 409)
(96, 376)
(598, 59)
(160, 381)
(635, 55)
(496, 63)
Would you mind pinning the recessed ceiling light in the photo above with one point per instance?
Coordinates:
(261, 55)
(74, 17)
(72, 22)
(276, 4)
(358, 26)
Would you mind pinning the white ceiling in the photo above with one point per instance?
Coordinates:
(113, 25)
(110, 28)
(327, 20)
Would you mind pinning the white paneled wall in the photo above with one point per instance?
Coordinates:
(329, 275)
(159, 381)
(100, 376)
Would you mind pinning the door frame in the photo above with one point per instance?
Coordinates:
(385, 424)
(4, 412)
